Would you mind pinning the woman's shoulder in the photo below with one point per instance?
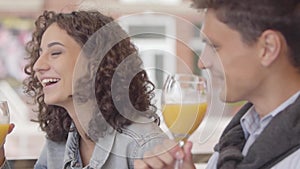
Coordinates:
(142, 126)
(54, 147)
(144, 130)
(52, 155)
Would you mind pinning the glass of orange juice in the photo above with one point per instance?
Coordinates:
(184, 104)
(4, 120)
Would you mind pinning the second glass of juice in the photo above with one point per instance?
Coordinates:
(184, 104)
(4, 120)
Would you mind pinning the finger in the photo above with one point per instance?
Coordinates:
(11, 127)
(140, 164)
(171, 146)
(188, 160)
(168, 160)
(164, 155)
(174, 149)
(187, 148)
(153, 161)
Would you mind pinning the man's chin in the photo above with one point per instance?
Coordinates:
(223, 97)
(221, 92)
(228, 99)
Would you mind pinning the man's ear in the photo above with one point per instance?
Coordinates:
(271, 42)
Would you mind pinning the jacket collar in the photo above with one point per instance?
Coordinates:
(103, 148)
(101, 152)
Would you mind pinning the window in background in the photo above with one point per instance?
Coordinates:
(168, 2)
(153, 34)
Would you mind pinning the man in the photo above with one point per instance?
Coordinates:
(256, 42)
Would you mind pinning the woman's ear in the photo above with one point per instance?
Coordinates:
(271, 42)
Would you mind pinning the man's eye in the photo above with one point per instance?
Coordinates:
(213, 46)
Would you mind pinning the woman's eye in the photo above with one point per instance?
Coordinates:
(56, 53)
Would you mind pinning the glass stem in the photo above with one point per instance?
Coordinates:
(179, 162)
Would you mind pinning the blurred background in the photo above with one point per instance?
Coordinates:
(173, 45)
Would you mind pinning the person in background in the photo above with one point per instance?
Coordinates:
(257, 44)
(83, 64)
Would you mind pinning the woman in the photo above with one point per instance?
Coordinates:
(70, 54)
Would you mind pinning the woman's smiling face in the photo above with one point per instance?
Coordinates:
(54, 68)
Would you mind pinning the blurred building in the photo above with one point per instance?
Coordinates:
(165, 31)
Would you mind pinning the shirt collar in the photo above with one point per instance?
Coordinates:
(285, 104)
(251, 121)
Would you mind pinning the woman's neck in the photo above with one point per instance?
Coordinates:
(86, 144)
(86, 148)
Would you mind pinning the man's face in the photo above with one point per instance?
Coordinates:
(232, 63)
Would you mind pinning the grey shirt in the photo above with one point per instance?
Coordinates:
(253, 126)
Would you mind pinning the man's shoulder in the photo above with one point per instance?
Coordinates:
(291, 161)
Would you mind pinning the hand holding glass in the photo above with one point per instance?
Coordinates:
(4, 120)
(184, 102)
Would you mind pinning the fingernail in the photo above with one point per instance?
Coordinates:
(179, 155)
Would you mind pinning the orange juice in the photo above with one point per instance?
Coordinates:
(183, 119)
(3, 132)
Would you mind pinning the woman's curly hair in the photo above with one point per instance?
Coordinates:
(81, 26)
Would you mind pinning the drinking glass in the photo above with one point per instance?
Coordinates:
(184, 104)
(4, 120)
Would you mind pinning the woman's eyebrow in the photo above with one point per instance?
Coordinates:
(54, 43)
(51, 44)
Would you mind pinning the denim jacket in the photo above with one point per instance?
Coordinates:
(113, 151)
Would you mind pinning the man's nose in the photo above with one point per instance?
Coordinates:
(205, 57)
(201, 64)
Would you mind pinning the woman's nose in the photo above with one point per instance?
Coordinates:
(41, 64)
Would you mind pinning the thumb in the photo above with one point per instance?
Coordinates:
(11, 127)
(187, 148)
